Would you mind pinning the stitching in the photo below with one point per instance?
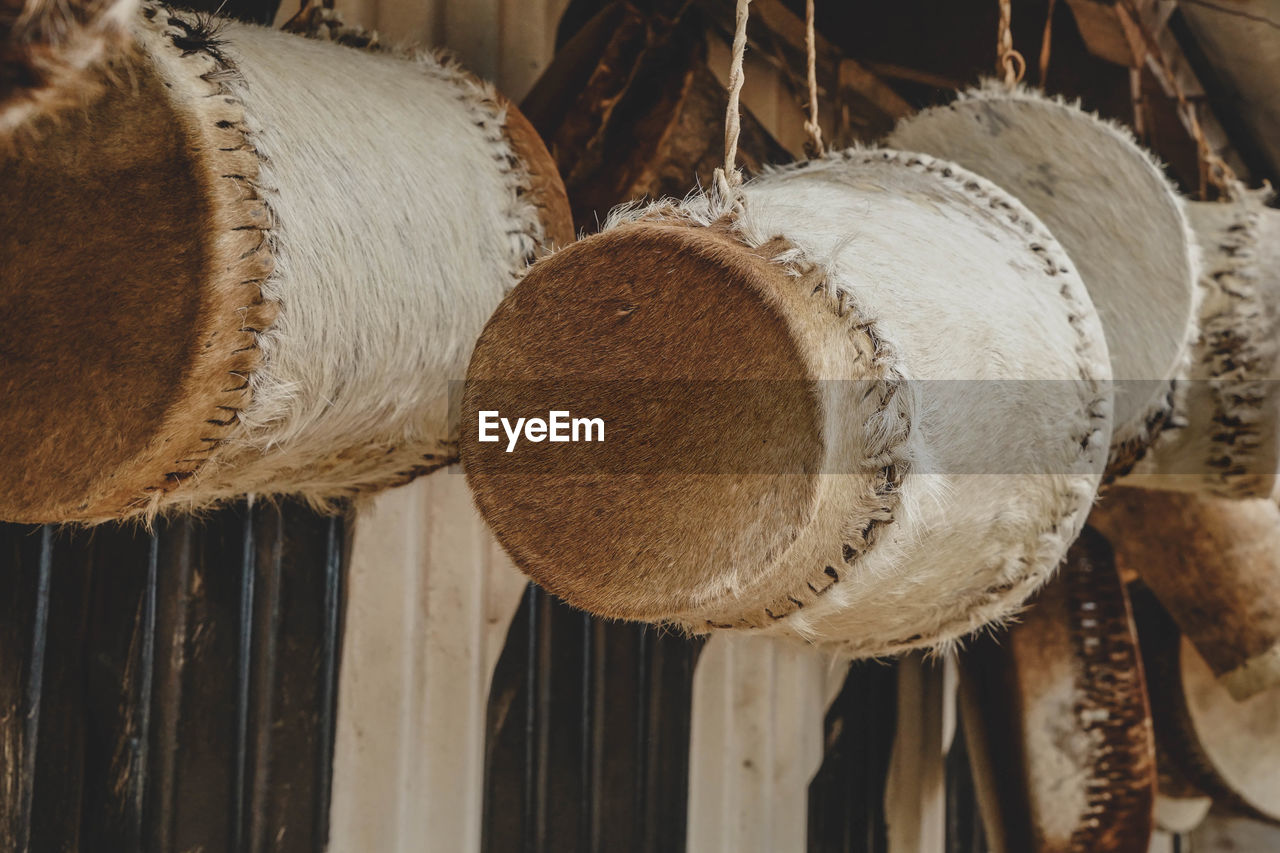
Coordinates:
(1033, 572)
(1088, 438)
(1111, 679)
(198, 36)
(1127, 454)
(1235, 357)
(892, 457)
(525, 232)
(1163, 414)
(480, 98)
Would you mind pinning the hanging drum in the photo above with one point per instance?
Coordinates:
(252, 262)
(1214, 564)
(1117, 216)
(1056, 717)
(823, 414)
(1227, 440)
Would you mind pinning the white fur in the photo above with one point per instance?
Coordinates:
(1108, 202)
(1227, 439)
(398, 227)
(962, 283)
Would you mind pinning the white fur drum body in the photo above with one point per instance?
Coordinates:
(960, 429)
(398, 226)
(1117, 216)
(1226, 439)
(352, 220)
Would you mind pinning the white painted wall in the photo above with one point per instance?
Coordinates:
(915, 797)
(430, 600)
(431, 595)
(755, 743)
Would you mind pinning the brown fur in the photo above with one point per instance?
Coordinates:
(580, 319)
(136, 242)
(545, 187)
(134, 247)
(714, 444)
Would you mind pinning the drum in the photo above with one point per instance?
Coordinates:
(252, 262)
(1056, 717)
(1214, 564)
(1228, 408)
(1120, 220)
(868, 409)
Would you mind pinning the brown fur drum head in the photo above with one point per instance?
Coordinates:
(105, 231)
(712, 437)
(754, 366)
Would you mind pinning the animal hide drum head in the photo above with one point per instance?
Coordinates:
(1214, 564)
(1108, 202)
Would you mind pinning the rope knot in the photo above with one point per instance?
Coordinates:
(726, 193)
(813, 146)
(1008, 62)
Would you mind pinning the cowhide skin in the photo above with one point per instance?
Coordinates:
(1226, 440)
(1118, 217)
(252, 263)
(866, 515)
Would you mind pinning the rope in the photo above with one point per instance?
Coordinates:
(1046, 41)
(728, 179)
(1008, 61)
(1212, 167)
(813, 147)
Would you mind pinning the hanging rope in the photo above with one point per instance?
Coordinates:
(1009, 62)
(1213, 169)
(1045, 41)
(813, 147)
(728, 179)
